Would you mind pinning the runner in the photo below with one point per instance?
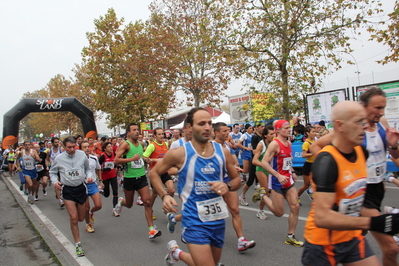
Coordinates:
(231, 198)
(54, 152)
(307, 167)
(278, 162)
(152, 155)
(92, 187)
(10, 155)
(74, 170)
(42, 173)
(379, 138)
(254, 140)
(134, 177)
(202, 167)
(109, 175)
(263, 176)
(29, 158)
(333, 229)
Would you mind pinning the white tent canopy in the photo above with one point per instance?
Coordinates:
(178, 126)
(224, 117)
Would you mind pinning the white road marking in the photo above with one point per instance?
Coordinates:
(56, 232)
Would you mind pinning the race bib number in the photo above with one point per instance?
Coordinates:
(39, 167)
(74, 174)
(287, 163)
(28, 164)
(375, 172)
(137, 164)
(109, 165)
(212, 209)
(351, 207)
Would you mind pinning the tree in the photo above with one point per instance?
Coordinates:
(389, 36)
(202, 65)
(287, 46)
(128, 69)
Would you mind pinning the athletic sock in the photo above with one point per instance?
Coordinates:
(150, 228)
(76, 244)
(176, 254)
(173, 219)
(241, 239)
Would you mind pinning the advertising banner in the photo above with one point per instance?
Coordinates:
(321, 104)
(239, 108)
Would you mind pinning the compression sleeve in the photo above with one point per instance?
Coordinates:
(325, 172)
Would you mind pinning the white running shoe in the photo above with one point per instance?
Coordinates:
(390, 209)
(169, 259)
(119, 205)
(61, 202)
(245, 244)
(262, 215)
(139, 201)
(243, 201)
(257, 186)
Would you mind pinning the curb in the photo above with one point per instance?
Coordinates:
(48, 237)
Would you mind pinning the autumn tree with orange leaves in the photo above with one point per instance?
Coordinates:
(128, 68)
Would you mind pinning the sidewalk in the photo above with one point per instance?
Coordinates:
(24, 240)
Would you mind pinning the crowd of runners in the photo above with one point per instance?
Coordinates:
(202, 166)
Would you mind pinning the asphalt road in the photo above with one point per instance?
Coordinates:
(124, 240)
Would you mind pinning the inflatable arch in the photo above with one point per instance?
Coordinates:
(29, 105)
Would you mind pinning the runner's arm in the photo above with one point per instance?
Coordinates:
(321, 143)
(123, 149)
(257, 152)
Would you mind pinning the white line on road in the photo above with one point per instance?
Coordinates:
(56, 232)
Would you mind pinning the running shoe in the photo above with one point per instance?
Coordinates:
(44, 192)
(30, 199)
(171, 225)
(244, 178)
(299, 201)
(36, 197)
(257, 186)
(21, 187)
(114, 213)
(245, 244)
(26, 192)
(91, 217)
(79, 250)
(390, 209)
(310, 194)
(293, 241)
(119, 205)
(388, 177)
(258, 195)
(89, 228)
(170, 259)
(139, 201)
(262, 215)
(61, 202)
(154, 233)
(243, 201)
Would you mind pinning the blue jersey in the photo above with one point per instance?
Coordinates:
(236, 138)
(193, 185)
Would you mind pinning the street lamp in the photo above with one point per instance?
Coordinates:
(357, 69)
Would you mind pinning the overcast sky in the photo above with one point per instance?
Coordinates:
(40, 39)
